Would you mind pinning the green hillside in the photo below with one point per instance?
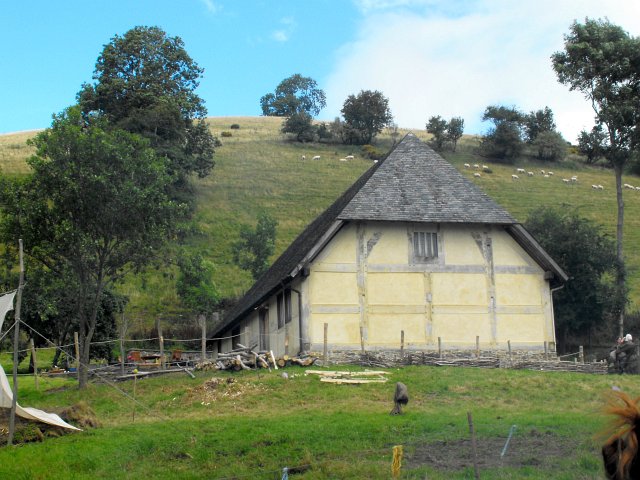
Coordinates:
(258, 169)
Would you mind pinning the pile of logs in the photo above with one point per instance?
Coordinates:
(249, 358)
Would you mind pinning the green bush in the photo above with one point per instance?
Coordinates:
(226, 134)
(235, 126)
(371, 152)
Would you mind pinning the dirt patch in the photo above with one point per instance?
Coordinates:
(527, 449)
(218, 388)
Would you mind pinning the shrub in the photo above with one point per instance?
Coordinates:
(371, 152)
(235, 126)
(226, 134)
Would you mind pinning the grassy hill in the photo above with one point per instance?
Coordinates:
(258, 169)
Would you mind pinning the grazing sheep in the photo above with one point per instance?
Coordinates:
(466, 165)
(476, 175)
(550, 174)
(565, 180)
(542, 172)
(600, 187)
(631, 187)
(530, 174)
(401, 397)
(574, 179)
(316, 157)
(476, 166)
(349, 157)
(595, 187)
(484, 167)
(343, 159)
(304, 157)
(546, 175)
(515, 177)
(520, 170)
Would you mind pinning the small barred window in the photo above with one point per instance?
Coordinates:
(425, 245)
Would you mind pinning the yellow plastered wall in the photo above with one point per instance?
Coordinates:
(483, 284)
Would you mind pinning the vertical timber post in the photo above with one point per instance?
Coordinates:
(16, 339)
(473, 446)
(401, 344)
(35, 363)
(203, 337)
(477, 346)
(362, 338)
(440, 348)
(76, 343)
(325, 357)
(510, 358)
(581, 354)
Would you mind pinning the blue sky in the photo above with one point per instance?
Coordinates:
(429, 57)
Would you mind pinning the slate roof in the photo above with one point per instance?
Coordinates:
(412, 184)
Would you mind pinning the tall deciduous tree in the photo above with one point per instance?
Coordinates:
(602, 61)
(437, 126)
(537, 122)
(195, 284)
(504, 140)
(255, 246)
(295, 94)
(145, 83)
(455, 129)
(365, 115)
(95, 206)
(588, 256)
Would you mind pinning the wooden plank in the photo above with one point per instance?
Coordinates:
(353, 380)
(329, 373)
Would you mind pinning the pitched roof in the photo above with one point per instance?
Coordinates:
(412, 184)
(415, 184)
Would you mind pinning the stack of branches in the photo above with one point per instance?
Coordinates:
(249, 358)
(240, 358)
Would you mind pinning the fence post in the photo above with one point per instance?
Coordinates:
(35, 362)
(473, 446)
(477, 346)
(362, 338)
(401, 344)
(581, 354)
(325, 357)
(509, 347)
(440, 348)
(203, 339)
(77, 346)
(159, 327)
(215, 317)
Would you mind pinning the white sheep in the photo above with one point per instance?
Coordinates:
(484, 167)
(546, 175)
(574, 178)
(600, 187)
(595, 187)
(304, 157)
(566, 180)
(466, 165)
(316, 157)
(542, 172)
(515, 177)
(530, 174)
(349, 157)
(550, 174)
(476, 166)
(476, 175)
(520, 170)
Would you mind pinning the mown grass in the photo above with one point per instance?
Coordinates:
(181, 430)
(259, 169)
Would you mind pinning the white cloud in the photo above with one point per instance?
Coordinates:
(430, 61)
(211, 6)
(284, 34)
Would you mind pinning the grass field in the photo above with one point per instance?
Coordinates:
(185, 428)
(258, 169)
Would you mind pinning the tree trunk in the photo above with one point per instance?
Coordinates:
(620, 275)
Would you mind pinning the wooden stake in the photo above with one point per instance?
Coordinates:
(16, 339)
(401, 344)
(477, 346)
(362, 338)
(123, 332)
(35, 363)
(76, 343)
(162, 362)
(203, 339)
(473, 446)
(509, 346)
(325, 357)
(581, 354)
(440, 347)
(133, 414)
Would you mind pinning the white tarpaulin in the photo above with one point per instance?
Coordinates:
(6, 304)
(6, 394)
